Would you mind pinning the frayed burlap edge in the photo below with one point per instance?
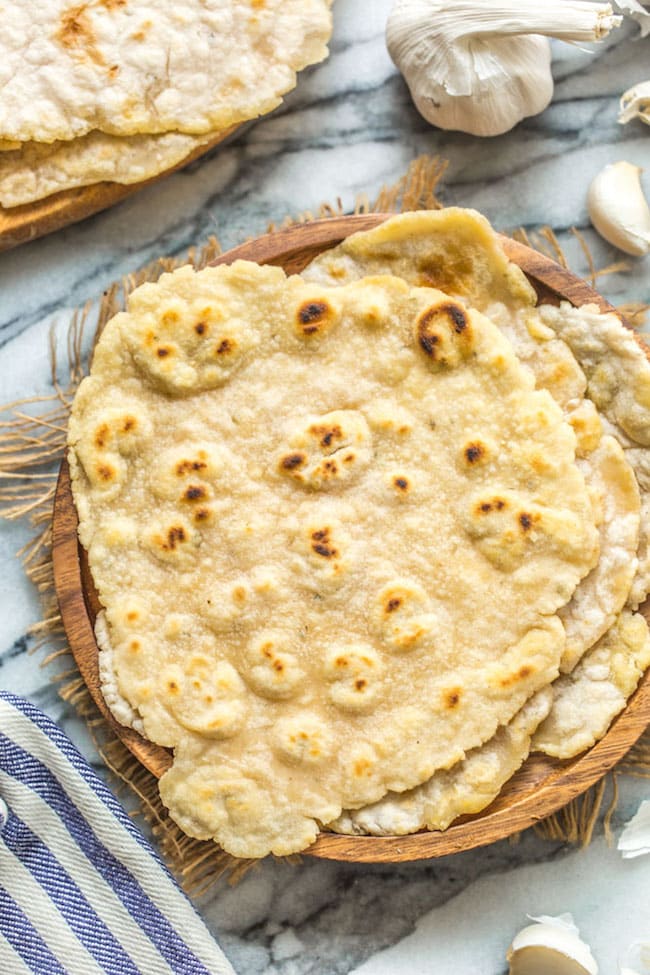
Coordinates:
(32, 443)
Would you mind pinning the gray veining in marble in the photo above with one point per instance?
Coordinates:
(349, 128)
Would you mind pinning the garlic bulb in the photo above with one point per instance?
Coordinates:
(552, 946)
(618, 209)
(472, 65)
(635, 103)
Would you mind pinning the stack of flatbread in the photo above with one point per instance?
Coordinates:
(366, 536)
(121, 90)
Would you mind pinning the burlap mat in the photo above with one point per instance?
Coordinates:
(32, 439)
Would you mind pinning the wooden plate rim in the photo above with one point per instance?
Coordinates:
(565, 780)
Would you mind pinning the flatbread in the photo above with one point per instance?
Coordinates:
(639, 460)
(618, 374)
(463, 790)
(603, 593)
(459, 248)
(472, 784)
(119, 707)
(128, 67)
(261, 61)
(35, 170)
(293, 499)
(587, 700)
(614, 362)
(456, 249)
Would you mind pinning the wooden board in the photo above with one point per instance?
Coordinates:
(542, 786)
(18, 225)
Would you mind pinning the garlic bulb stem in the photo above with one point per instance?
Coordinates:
(566, 20)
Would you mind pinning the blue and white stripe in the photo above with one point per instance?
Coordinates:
(81, 890)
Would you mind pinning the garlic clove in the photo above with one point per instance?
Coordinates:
(635, 103)
(618, 209)
(551, 946)
(636, 11)
(634, 841)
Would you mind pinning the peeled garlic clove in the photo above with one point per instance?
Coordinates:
(635, 103)
(552, 946)
(618, 209)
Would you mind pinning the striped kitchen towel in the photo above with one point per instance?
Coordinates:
(81, 890)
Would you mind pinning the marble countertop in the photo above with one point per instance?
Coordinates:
(349, 128)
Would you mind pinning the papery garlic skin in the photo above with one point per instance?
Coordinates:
(638, 955)
(635, 104)
(618, 208)
(634, 841)
(636, 11)
(478, 66)
(496, 109)
(551, 947)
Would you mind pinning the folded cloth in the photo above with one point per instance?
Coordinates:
(81, 890)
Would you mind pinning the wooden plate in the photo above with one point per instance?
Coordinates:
(18, 225)
(542, 786)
